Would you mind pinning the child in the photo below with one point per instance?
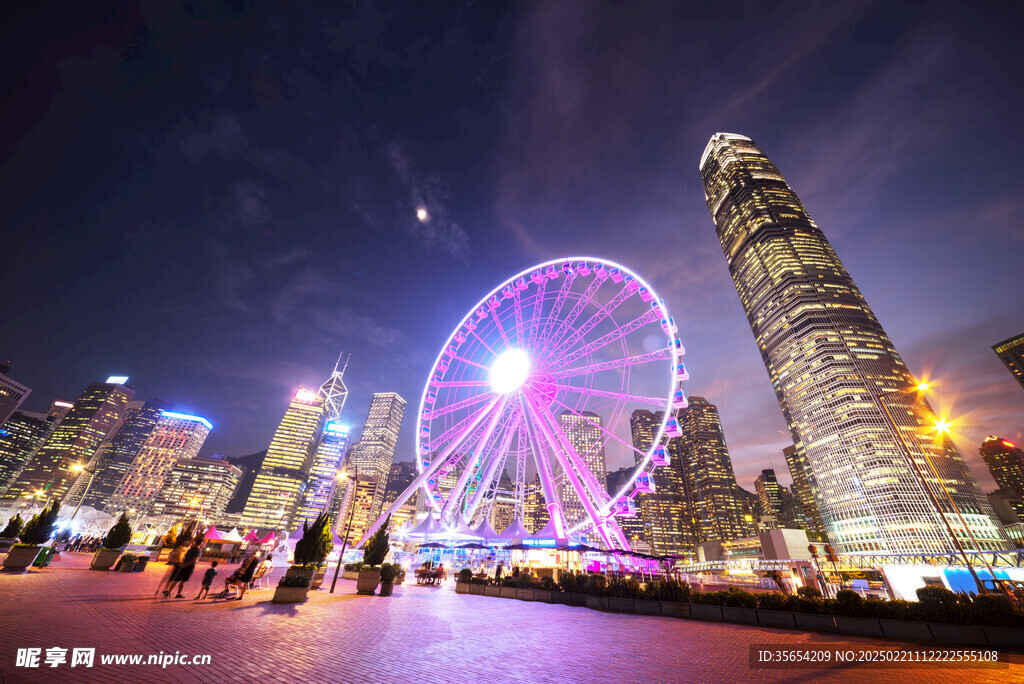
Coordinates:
(207, 581)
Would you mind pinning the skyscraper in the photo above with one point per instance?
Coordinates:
(11, 395)
(717, 507)
(375, 452)
(94, 415)
(20, 437)
(585, 436)
(1005, 460)
(196, 487)
(1011, 353)
(666, 511)
(830, 363)
(769, 496)
(803, 490)
(281, 483)
(323, 474)
(175, 436)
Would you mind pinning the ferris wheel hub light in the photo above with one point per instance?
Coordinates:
(509, 371)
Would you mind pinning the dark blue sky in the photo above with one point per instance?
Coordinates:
(216, 198)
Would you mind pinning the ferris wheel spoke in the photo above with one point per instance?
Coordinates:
(461, 429)
(603, 313)
(624, 362)
(538, 309)
(556, 308)
(497, 462)
(481, 341)
(659, 402)
(611, 435)
(518, 306)
(444, 384)
(459, 405)
(455, 495)
(647, 317)
(541, 460)
(469, 363)
(586, 298)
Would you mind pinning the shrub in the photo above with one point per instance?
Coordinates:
(941, 605)
(118, 535)
(465, 575)
(672, 589)
(39, 529)
(399, 570)
(508, 582)
(997, 610)
(737, 598)
(300, 581)
(13, 528)
(377, 547)
(169, 540)
(567, 582)
(547, 582)
(597, 585)
(848, 603)
(808, 592)
(702, 597)
(388, 574)
(354, 567)
(525, 580)
(316, 542)
(773, 600)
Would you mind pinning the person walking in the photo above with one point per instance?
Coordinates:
(208, 576)
(173, 561)
(498, 571)
(188, 564)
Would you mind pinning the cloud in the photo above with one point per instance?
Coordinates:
(344, 323)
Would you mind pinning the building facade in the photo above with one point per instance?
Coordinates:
(196, 489)
(1011, 353)
(375, 452)
(831, 365)
(667, 510)
(20, 438)
(12, 394)
(1005, 460)
(323, 474)
(587, 440)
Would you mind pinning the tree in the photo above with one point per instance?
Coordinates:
(40, 528)
(119, 535)
(13, 528)
(170, 539)
(316, 542)
(377, 547)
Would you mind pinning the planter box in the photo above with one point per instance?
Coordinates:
(597, 602)
(300, 570)
(524, 594)
(775, 618)
(1004, 636)
(675, 609)
(959, 634)
(104, 558)
(859, 626)
(906, 629)
(508, 592)
(815, 623)
(350, 574)
(743, 616)
(477, 589)
(492, 590)
(577, 598)
(163, 554)
(386, 589)
(647, 607)
(20, 557)
(621, 605)
(290, 595)
(462, 587)
(368, 581)
(699, 611)
(561, 598)
(542, 595)
(318, 578)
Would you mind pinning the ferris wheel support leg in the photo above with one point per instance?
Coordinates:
(544, 471)
(455, 495)
(425, 475)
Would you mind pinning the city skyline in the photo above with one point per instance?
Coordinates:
(249, 196)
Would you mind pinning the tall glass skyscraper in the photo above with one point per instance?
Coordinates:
(323, 474)
(586, 438)
(831, 365)
(1011, 353)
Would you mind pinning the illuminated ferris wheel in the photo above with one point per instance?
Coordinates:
(568, 347)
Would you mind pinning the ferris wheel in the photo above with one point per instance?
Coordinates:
(533, 393)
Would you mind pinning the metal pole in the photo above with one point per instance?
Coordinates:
(348, 528)
(92, 474)
(928, 490)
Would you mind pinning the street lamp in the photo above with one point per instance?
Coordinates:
(79, 468)
(921, 387)
(348, 526)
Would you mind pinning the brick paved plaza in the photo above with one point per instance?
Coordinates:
(421, 634)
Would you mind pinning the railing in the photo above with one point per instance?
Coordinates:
(997, 559)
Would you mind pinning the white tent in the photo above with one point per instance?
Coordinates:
(514, 532)
(548, 533)
(485, 531)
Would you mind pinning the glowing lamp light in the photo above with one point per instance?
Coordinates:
(509, 371)
(1009, 444)
(64, 404)
(337, 428)
(305, 396)
(78, 467)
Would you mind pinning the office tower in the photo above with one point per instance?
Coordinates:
(281, 483)
(74, 440)
(11, 395)
(335, 392)
(175, 436)
(535, 512)
(196, 488)
(1005, 460)
(831, 365)
(503, 510)
(375, 452)
(632, 527)
(804, 492)
(666, 512)
(250, 466)
(356, 513)
(20, 437)
(586, 437)
(323, 475)
(715, 498)
(769, 496)
(1011, 353)
(399, 478)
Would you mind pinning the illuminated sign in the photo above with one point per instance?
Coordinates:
(337, 429)
(63, 404)
(183, 416)
(540, 542)
(305, 396)
(117, 379)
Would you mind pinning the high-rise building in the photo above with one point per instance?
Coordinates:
(323, 475)
(718, 509)
(281, 483)
(20, 437)
(535, 512)
(175, 436)
(632, 527)
(12, 394)
(375, 452)
(1011, 353)
(666, 511)
(399, 478)
(250, 466)
(74, 440)
(356, 514)
(1005, 460)
(769, 497)
(196, 488)
(587, 439)
(831, 364)
(803, 490)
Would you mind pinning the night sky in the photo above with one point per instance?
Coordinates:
(215, 199)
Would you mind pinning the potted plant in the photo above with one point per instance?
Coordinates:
(9, 535)
(387, 579)
(462, 581)
(33, 535)
(117, 538)
(312, 549)
(373, 555)
(399, 573)
(292, 589)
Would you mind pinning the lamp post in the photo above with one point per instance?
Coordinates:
(924, 483)
(78, 468)
(348, 527)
